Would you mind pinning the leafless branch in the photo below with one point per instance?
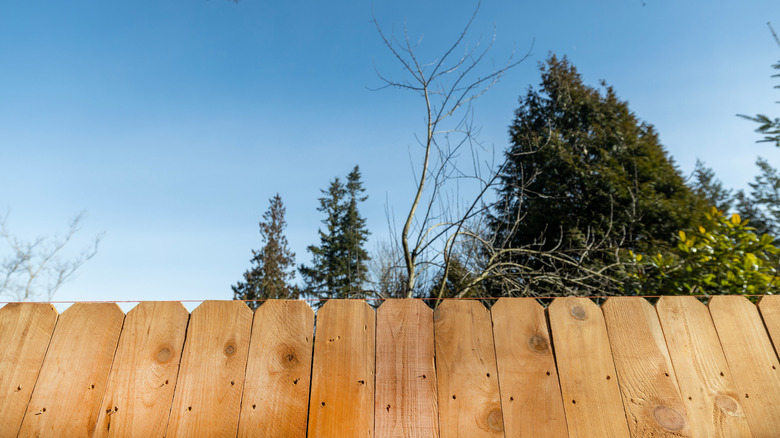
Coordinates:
(37, 268)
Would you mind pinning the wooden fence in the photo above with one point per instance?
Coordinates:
(627, 368)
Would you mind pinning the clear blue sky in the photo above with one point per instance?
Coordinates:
(172, 123)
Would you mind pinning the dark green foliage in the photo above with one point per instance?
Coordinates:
(584, 172)
(710, 189)
(762, 205)
(355, 235)
(273, 265)
(322, 278)
(338, 267)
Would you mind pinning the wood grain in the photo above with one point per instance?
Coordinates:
(593, 403)
(342, 382)
(647, 380)
(769, 306)
(406, 403)
(530, 393)
(207, 398)
(66, 399)
(469, 400)
(703, 375)
(25, 332)
(276, 392)
(752, 360)
(143, 376)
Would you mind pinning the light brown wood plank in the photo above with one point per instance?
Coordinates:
(143, 376)
(647, 380)
(207, 398)
(752, 360)
(469, 401)
(66, 399)
(593, 404)
(703, 375)
(406, 402)
(530, 393)
(25, 332)
(769, 306)
(342, 382)
(276, 392)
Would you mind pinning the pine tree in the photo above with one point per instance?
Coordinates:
(273, 265)
(762, 205)
(322, 279)
(355, 236)
(582, 171)
(766, 125)
(338, 267)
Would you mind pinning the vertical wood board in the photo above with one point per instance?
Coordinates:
(593, 403)
(530, 393)
(769, 306)
(25, 332)
(647, 380)
(703, 375)
(143, 376)
(342, 382)
(208, 390)
(752, 360)
(468, 391)
(66, 399)
(276, 393)
(406, 404)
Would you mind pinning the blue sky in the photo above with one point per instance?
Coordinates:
(172, 123)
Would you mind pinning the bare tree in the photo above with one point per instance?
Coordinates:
(36, 269)
(447, 87)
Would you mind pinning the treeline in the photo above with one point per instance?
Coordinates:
(585, 202)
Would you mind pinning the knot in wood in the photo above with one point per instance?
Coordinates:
(164, 355)
(538, 344)
(668, 418)
(578, 313)
(727, 404)
(230, 349)
(495, 420)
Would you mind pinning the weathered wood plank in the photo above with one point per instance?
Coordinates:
(342, 382)
(591, 396)
(406, 403)
(752, 360)
(143, 376)
(25, 332)
(703, 375)
(530, 393)
(769, 306)
(647, 380)
(66, 399)
(211, 376)
(469, 401)
(276, 392)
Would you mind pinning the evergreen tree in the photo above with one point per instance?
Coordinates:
(273, 265)
(770, 128)
(339, 262)
(355, 236)
(709, 187)
(323, 278)
(762, 205)
(583, 170)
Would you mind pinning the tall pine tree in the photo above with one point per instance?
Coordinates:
(582, 170)
(322, 279)
(273, 265)
(355, 236)
(338, 267)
